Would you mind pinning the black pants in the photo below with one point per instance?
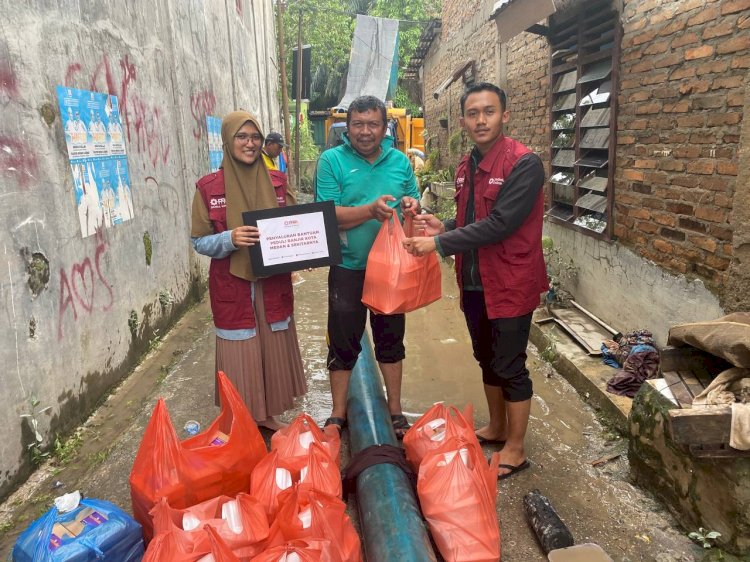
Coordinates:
(499, 347)
(346, 323)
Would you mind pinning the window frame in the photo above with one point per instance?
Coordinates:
(573, 29)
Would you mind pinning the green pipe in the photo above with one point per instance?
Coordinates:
(389, 514)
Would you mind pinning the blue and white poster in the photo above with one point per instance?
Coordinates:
(215, 151)
(96, 149)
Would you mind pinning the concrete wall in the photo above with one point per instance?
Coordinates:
(80, 311)
(682, 185)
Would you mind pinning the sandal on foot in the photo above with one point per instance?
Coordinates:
(338, 423)
(400, 425)
(513, 469)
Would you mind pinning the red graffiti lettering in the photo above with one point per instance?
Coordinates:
(128, 76)
(66, 299)
(73, 69)
(78, 289)
(17, 161)
(8, 83)
(201, 104)
(147, 126)
(141, 120)
(100, 249)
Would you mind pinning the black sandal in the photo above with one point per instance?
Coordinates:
(340, 423)
(400, 425)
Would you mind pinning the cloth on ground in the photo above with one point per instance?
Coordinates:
(370, 456)
(727, 337)
(642, 363)
(616, 351)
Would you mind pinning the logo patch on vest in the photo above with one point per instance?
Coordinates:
(495, 181)
(460, 181)
(217, 203)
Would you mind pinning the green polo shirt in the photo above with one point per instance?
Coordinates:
(349, 180)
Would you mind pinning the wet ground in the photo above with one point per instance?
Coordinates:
(564, 443)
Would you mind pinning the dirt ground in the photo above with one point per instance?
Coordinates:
(565, 438)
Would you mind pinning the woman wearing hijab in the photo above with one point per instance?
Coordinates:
(256, 338)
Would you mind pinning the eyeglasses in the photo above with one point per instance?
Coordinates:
(243, 137)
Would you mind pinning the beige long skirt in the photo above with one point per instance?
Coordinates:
(266, 369)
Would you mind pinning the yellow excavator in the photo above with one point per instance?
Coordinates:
(406, 131)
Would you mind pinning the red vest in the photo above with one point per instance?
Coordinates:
(512, 271)
(231, 303)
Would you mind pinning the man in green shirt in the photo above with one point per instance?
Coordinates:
(369, 181)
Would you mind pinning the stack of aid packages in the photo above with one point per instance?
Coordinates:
(221, 497)
(456, 485)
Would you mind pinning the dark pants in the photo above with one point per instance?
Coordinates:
(500, 347)
(346, 323)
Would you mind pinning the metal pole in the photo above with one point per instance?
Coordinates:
(298, 105)
(392, 527)
(284, 91)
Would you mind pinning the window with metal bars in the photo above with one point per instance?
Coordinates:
(584, 59)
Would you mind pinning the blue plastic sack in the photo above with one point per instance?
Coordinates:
(107, 534)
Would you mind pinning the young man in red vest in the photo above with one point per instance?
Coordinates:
(497, 240)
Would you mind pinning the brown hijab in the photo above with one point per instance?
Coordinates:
(247, 188)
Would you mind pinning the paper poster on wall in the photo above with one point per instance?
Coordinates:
(215, 152)
(98, 161)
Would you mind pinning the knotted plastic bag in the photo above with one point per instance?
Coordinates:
(241, 523)
(216, 462)
(310, 515)
(396, 281)
(170, 547)
(456, 489)
(274, 474)
(295, 439)
(439, 423)
(300, 551)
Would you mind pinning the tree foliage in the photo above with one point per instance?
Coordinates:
(328, 26)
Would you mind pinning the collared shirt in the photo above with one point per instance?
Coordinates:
(349, 180)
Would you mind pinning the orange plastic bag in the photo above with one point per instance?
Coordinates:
(305, 551)
(241, 522)
(274, 474)
(396, 281)
(436, 425)
(310, 515)
(295, 439)
(456, 490)
(168, 547)
(199, 468)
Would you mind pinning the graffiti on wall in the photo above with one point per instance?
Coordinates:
(143, 121)
(17, 161)
(84, 290)
(202, 103)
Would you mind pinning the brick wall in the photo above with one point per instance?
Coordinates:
(466, 34)
(683, 76)
(683, 72)
(527, 87)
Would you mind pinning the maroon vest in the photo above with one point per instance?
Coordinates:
(231, 303)
(512, 271)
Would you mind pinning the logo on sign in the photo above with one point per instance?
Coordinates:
(291, 222)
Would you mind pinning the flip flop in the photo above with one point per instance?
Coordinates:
(513, 469)
(400, 425)
(340, 423)
(485, 441)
